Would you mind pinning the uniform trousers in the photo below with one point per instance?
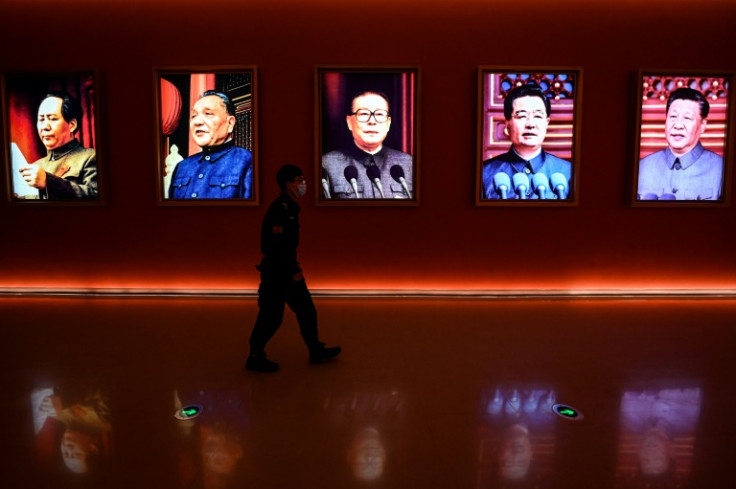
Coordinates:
(273, 294)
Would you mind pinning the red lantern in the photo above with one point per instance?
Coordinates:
(170, 107)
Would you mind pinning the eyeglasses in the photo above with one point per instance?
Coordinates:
(364, 115)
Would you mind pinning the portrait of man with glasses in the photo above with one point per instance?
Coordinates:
(526, 171)
(367, 168)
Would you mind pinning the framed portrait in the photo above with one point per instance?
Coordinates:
(206, 122)
(681, 141)
(528, 136)
(52, 136)
(367, 150)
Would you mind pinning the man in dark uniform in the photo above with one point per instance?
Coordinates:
(282, 281)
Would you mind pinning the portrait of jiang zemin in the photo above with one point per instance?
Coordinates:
(682, 136)
(52, 137)
(527, 137)
(367, 147)
(207, 136)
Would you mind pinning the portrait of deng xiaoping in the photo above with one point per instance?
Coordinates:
(367, 136)
(527, 136)
(681, 138)
(207, 140)
(51, 135)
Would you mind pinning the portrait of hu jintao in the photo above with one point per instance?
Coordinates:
(207, 142)
(367, 126)
(528, 136)
(681, 139)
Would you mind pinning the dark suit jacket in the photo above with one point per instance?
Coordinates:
(71, 172)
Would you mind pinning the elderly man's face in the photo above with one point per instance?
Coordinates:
(527, 127)
(654, 454)
(210, 124)
(369, 135)
(683, 126)
(53, 130)
(367, 455)
(515, 457)
(76, 449)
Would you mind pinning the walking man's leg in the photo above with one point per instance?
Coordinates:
(271, 301)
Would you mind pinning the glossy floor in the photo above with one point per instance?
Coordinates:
(427, 393)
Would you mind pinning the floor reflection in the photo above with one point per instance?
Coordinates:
(517, 438)
(428, 393)
(658, 437)
(369, 425)
(213, 445)
(73, 432)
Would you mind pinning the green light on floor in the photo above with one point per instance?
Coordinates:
(567, 412)
(188, 412)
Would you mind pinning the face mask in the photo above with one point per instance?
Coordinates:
(301, 189)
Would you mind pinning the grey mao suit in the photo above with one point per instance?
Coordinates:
(334, 164)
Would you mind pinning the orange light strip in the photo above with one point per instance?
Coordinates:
(729, 293)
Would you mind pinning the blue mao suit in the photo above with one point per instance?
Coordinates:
(511, 163)
(218, 172)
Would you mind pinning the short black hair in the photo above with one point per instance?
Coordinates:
(70, 108)
(528, 90)
(686, 93)
(366, 92)
(229, 105)
(286, 174)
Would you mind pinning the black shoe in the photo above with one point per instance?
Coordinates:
(323, 353)
(260, 363)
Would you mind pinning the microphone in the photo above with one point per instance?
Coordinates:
(502, 184)
(397, 173)
(521, 184)
(540, 182)
(375, 176)
(559, 185)
(351, 175)
(326, 188)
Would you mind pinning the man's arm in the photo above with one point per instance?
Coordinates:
(279, 240)
(248, 184)
(82, 187)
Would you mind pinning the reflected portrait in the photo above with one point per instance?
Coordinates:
(657, 436)
(517, 438)
(216, 449)
(73, 432)
(367, 427)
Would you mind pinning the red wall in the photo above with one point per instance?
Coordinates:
(445, 242)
